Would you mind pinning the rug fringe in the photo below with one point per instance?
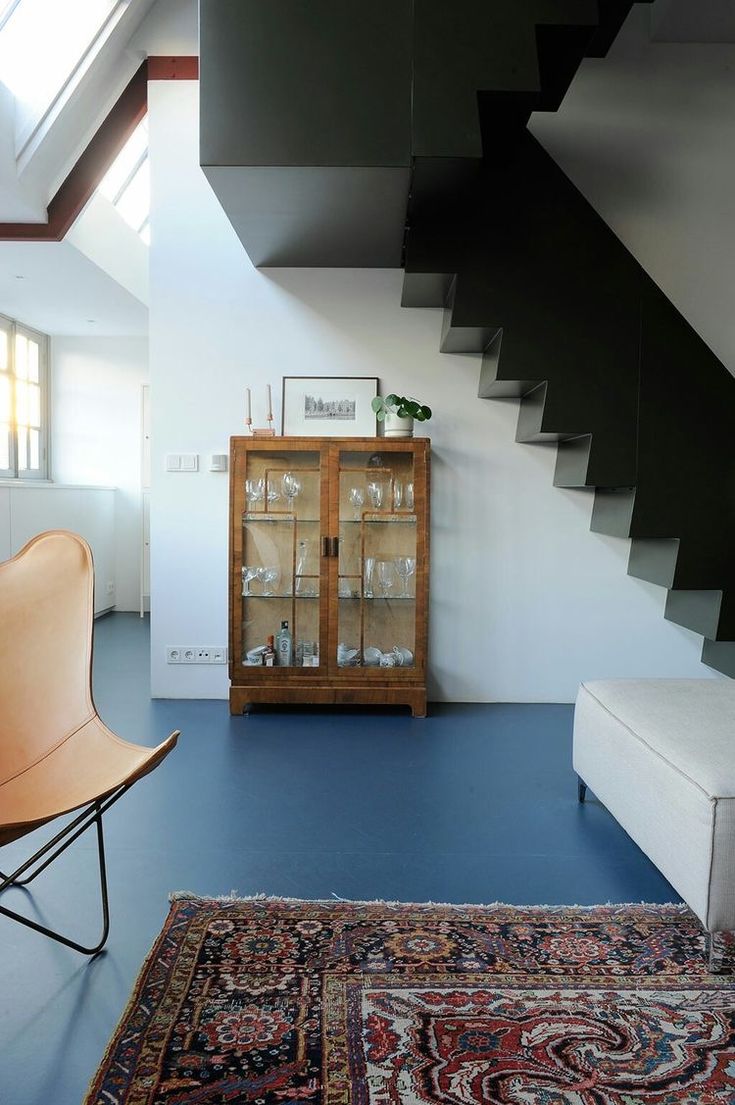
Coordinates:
(233, 896)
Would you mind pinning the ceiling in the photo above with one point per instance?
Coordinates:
(52, 287)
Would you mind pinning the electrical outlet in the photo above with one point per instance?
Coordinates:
(110, 587)
(196, 654)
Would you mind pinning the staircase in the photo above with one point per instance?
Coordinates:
(341, 132)
(561, 316)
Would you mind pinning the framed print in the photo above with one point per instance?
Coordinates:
(328, 406)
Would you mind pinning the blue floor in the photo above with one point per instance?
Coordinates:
(477, 803)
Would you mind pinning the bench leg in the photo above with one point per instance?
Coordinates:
(716, 962)
(581, 789)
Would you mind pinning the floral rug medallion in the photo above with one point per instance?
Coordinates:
(275, 1002)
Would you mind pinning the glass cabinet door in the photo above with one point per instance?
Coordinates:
(377, 562)
(280, 563)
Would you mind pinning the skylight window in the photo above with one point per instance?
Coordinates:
(44, 46)
(127, 184)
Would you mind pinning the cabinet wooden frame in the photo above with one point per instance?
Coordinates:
(329, 683)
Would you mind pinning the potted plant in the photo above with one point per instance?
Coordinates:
(398, 413)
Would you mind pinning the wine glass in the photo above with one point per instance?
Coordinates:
(273, 494)
(291, 486)
(269, 576)
(248, 573)
(254, 490)
(357, 499)
(368, 570)
(375, 493)
(408, 496)
(397, 494)
(405, 567)
(386, 576)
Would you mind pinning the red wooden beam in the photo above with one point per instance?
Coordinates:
(102, 150)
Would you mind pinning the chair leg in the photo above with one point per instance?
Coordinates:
(12, 880)
(581, 789)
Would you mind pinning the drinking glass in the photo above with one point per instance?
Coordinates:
(268, 577)
(405, 567)
(386, 576)
(408, 496)
(248, 573)
(368, 570)
(357, 499)
(397, 494)
(273, 494)
(291, 486)
(254, 490)
(375, 492)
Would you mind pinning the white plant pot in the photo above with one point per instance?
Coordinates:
(397, 427)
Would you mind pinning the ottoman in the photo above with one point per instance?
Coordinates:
(660, 755)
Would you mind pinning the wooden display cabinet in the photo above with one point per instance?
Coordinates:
(331, 535)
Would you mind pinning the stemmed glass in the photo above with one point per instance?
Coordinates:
(248, 573)
(375, 492)
(357, 499)
(291, 486)
(405, 567)
(386, 575)
(268, 577)
(408, 496)
(397, 494)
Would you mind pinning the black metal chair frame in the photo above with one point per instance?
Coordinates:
(90, 815)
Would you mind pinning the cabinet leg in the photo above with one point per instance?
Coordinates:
(418, 706)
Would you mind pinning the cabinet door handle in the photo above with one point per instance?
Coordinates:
(325, 546)
(334, 542)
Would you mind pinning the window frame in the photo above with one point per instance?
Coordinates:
(12, 327)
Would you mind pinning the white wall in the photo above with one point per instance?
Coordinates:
(29, 509)
(648, 135)
(525, 600)
(95, 418)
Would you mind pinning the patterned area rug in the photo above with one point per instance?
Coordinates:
(276, 1002)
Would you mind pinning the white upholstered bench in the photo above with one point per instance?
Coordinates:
(660, 755)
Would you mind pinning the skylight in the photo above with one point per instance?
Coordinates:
(126, 184)
(43, 47)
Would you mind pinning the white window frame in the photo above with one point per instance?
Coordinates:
(12, 327)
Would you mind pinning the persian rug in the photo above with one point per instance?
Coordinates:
(275, 1001)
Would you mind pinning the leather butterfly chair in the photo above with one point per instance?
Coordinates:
(56, 755)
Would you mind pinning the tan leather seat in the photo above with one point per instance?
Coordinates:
(56, 754)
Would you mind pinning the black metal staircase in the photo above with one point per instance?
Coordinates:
(341, 132)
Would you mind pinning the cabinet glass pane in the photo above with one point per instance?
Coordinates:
(281, 555)
(377, 561)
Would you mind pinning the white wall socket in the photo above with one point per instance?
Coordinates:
(196, 654)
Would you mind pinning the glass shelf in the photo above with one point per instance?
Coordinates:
(289, 519)
(283, 598)
(394, 519)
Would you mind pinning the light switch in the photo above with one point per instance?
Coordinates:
(189, 462)
(218, 462)
(173, 462)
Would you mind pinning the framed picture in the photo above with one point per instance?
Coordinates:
(328, 406)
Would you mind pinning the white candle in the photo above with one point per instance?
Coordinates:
(270, 404)
(248, 415)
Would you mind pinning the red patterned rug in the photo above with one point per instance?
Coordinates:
(276, 1002)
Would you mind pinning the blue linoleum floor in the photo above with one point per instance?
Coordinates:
(477, 803)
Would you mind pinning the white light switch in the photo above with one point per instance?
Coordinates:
(173, 462)
(218, 462)
(189, 462)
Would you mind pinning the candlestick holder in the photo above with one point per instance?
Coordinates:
(264, 431)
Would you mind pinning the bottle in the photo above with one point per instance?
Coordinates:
(269, 656)
(284, 646)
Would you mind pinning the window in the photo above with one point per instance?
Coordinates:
(45, 48)
(127, 183)
(23, 362)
